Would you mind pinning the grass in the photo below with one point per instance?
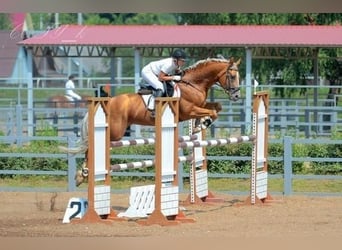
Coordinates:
(215, 184)
(277, 185)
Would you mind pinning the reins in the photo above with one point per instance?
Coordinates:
(227, 89)
(189, 83)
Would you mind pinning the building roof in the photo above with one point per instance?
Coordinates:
(191, 35)
(8, 52)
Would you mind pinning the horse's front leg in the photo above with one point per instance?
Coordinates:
(204, 118)
(214, 105)
(199, 112)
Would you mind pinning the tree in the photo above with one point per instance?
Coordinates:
(5, 22)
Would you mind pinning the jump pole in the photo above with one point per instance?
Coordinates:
(199, 191)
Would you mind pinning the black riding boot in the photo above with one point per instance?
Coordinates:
(156, 93)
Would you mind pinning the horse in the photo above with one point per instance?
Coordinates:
(129, 108)
(62, 101)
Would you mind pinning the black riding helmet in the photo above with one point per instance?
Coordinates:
(179, 54)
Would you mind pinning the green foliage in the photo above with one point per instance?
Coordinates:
(152, 18)
(31, 163)
(34, 163)
(5, 23)
(44, 129)
(299, 150)
(234, 166)
(275, 167)
(293, 70)
(331, 151)
(214, 166)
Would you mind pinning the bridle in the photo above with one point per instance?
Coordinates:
(228, 89)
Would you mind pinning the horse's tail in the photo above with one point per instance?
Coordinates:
(82, 143)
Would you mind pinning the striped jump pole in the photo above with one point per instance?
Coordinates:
(199, 191)
(144, 164)
(259, 176)
(216, 142)
(166, 192)
(147, 141)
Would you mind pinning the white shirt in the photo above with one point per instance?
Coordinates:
(166, 65)
(69, 90)
(69, 85)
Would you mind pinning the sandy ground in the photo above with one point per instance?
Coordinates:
(26, 214)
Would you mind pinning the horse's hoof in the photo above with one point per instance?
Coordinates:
(79, 178)
(207, 122)
(85, 172)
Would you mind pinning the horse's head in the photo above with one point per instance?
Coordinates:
(231, 82)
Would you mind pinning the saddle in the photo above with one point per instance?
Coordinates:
(149, 90)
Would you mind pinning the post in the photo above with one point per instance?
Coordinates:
(71, 165)
(98, 163)
(259, 174)
(29, 93)
(137, 128)
(248, 103)
(287, 158)
(166, 210)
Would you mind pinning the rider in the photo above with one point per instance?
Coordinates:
(162, 70)
(69, 89)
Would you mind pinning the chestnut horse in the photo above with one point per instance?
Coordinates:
(61, 101)
(127, 109)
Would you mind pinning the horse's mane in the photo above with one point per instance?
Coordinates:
(203, 63)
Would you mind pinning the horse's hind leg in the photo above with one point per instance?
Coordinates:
(82, 174)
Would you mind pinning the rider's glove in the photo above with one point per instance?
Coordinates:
(177, 78)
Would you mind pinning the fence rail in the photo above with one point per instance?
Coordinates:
(301, 120)
(300, 117)
(287, 159)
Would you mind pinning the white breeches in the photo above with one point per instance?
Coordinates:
(151, 78)
(73, 95)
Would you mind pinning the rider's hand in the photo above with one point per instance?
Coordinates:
(177, 78)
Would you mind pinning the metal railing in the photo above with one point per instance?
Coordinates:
(287, 159)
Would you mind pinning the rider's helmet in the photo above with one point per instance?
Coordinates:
(179, 54)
